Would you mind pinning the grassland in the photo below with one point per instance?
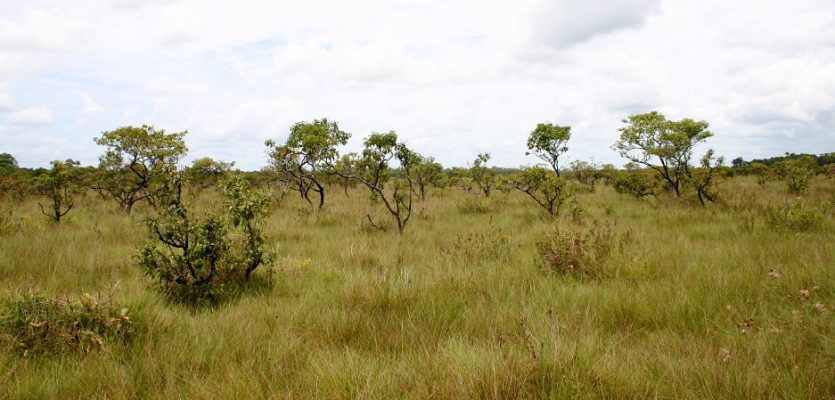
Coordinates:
(459, 307)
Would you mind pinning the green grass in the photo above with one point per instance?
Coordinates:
(459, 307)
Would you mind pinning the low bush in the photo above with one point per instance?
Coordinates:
(794, 216)
(578, 249)
(33, 323)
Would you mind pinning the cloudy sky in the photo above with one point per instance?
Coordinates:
(453, 78)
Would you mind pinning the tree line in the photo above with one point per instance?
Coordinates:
(136, 163)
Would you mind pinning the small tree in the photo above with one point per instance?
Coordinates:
(58, 184)
(761, 171)
(548, 142)
(308, 154)
(704, 178)
(544, 187)
(427, 172)
(373, 170)
(483, 176)
(650, 137)
(585, 173)
(798, 172)
(135, 161)
(206, 172)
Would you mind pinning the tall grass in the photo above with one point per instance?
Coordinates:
(700, 303)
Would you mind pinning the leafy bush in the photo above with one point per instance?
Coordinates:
(194, 260)
(579, 249)
(794, 216)
(798, 173)
(34, 323)
(636, 184)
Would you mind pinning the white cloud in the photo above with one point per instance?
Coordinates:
(89, 106)
(34, 116)
(6, 99)
(174, 86)
(453, 78)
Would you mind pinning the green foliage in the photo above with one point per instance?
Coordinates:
(58, 184)
(548, 141)
(35, 324)
(544, 187)
(635, 183)
(247, 210)
(135, 162)
(308, 154)
(427, 172)
(704, 179)
(829, 171)
(650, 138)
(761, 171)
(195, 259)
(206, 172)
(798, 172)
(483, 176)
(794, 216)
(8, 164)
(586, 173)
(577, 249)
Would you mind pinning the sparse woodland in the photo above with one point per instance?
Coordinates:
(381, 274)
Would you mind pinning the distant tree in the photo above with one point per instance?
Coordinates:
(585, 173)
(374, 170)
(547, 189)
(206, 172)
(608, 173)
(427, 172)
(665, 146)
(8, 164)
(308, 154)
(135, 158)
(548, 142)
(482, 175)
(58, 185)
(761, 171)
(739, 163)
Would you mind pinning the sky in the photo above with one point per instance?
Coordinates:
(452, 78)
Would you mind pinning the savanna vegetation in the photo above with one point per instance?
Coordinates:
(381, 274)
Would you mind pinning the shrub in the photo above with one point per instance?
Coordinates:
(794, 216)
(579, 249)
(798, 173)
(635, 183)
(194, 260)
(38, 324)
